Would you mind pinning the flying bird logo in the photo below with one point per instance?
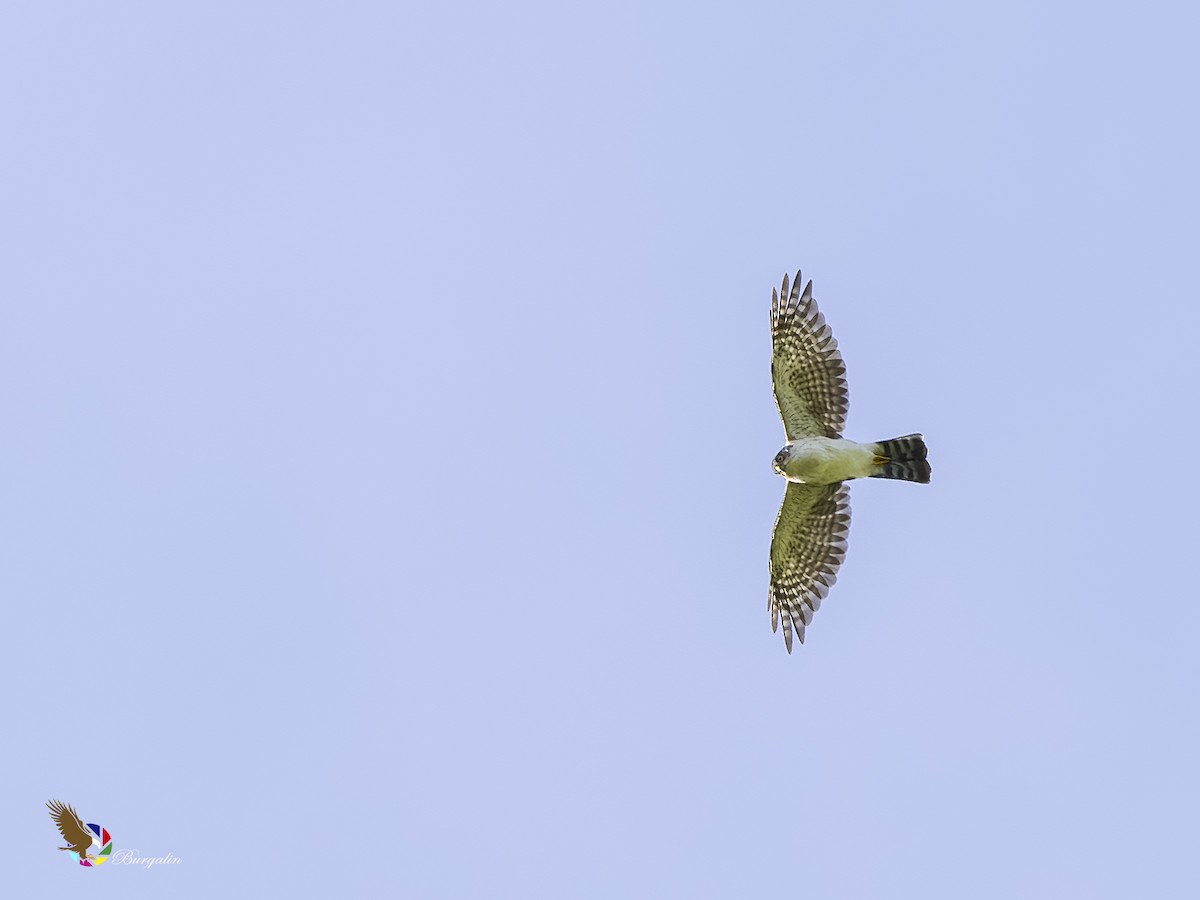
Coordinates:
(79, 837)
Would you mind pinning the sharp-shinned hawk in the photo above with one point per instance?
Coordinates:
(809, 540)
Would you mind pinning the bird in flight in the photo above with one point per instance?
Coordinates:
(809, 540)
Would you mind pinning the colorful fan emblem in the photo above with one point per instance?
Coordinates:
(101, 839)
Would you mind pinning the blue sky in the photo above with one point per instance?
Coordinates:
(388, 434)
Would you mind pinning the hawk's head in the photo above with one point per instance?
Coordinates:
(802, 462)
(780, 461)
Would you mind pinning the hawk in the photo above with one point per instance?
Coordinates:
(809, 540)
(70, 826)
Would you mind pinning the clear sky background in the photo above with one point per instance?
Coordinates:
(387, 432)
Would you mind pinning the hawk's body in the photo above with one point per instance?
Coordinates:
(822, 460)
(809, 541)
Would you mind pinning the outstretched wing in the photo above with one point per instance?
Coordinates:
(806, 367)
(807, 548)
(70, 826)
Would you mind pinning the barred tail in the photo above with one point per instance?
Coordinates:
(905, 459)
